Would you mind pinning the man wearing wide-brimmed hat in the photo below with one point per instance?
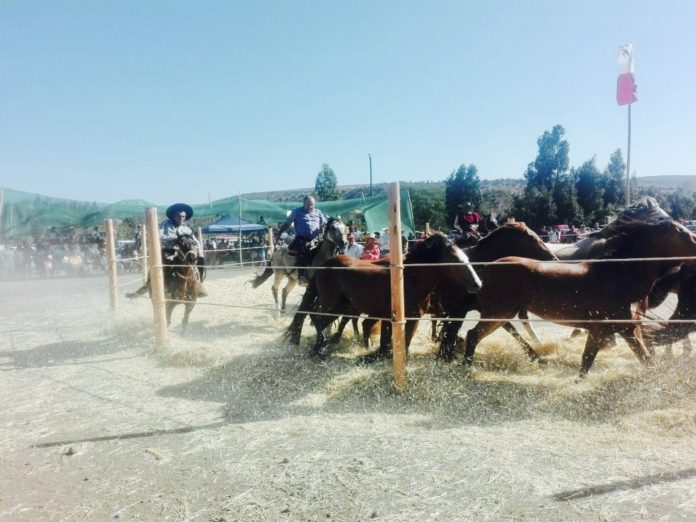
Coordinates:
(467, 221)
(172, 228)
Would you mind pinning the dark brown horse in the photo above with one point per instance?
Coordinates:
(510, 239)
(182, 279)
(352, 286)
(681, 281)
(584, 291)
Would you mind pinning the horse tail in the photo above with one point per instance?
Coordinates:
(260, 279)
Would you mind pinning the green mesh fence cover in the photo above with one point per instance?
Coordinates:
(24, 213)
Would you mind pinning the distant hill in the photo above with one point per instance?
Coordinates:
(687, 183)
(509, 186)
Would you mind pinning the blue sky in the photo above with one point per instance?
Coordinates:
(172, 100)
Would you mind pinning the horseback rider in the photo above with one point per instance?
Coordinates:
(173, 228)
(308, 222)
(467, 221)
(170, 230)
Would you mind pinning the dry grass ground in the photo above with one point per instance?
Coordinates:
(229, 423)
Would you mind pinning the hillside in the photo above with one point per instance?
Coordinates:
(684, 182)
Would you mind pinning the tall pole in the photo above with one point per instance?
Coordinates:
(396, 270)
(112, 265)
(2, 193)
(370, 156)
(241, 262)
(156, 278)
(628, 160)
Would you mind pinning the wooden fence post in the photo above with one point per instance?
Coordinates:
(396, 269)
(143, 252)
(271, 246)
(112, 266)
(427, 229)
(156, 278)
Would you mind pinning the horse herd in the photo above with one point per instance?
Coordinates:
(603, 284)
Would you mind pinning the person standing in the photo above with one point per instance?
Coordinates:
(371, 250)
(308, 222)
(353, 249)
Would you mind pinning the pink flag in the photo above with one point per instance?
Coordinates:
(626, 89)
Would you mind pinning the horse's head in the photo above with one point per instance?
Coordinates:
(438, 249)
(666, 238)
(186, 249)
(514, 238)
(336, 232)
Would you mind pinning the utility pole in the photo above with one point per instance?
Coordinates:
(370, 156)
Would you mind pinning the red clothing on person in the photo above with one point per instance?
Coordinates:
(467, 221)
(371, 252)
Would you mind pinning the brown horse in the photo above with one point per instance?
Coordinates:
(182, 279)
(356, 286)
(510, 239)
(513, 238)
(583, 291)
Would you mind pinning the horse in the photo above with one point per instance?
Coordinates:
(682, 280)
(512, 238)
(182, 279)
(584, 291)
(282, 265)
(355, 286)
(332, 241)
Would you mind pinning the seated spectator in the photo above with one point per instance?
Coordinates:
(371, 250)
(353, 249)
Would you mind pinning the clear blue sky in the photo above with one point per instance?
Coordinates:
(173, 100)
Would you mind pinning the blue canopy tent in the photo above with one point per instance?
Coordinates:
(231, 225)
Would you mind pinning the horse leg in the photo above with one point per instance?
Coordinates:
(596, 338)
(367, 330)
(356, 330)
(630, 334)
(188, 307)
(292, 283)
(336, 338)
(510, 328)
(529, 328)
(448, 339)
(168, 308)
(476, 335)
(306, 305)
(320, 323)
(433, 330)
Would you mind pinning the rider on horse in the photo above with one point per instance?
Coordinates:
(467, 222)
(173, 228)
(308, 221)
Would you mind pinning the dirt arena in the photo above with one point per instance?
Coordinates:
(229, 423)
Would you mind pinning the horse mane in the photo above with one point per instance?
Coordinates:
(645, 211)
(428, 250)
(518, 226)
(623, 240)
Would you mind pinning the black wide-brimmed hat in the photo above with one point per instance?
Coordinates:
(179, 207)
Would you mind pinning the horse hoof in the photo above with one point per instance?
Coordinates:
(542, 360)
(370, 358)
(319, 352)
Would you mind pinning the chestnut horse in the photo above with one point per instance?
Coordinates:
(510, 239)
(584, 291)
(513, 238)
(356, 286)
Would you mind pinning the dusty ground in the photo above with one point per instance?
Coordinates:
(231, 424)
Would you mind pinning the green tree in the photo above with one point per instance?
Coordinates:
(589, 186)
(325, 186)
(680, 206)
(615, 181)
(461, 186)
(551, 160)
(428, 204)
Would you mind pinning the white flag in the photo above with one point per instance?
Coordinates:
(624, 64)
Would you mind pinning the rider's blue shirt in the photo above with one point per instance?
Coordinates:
(307, 223)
